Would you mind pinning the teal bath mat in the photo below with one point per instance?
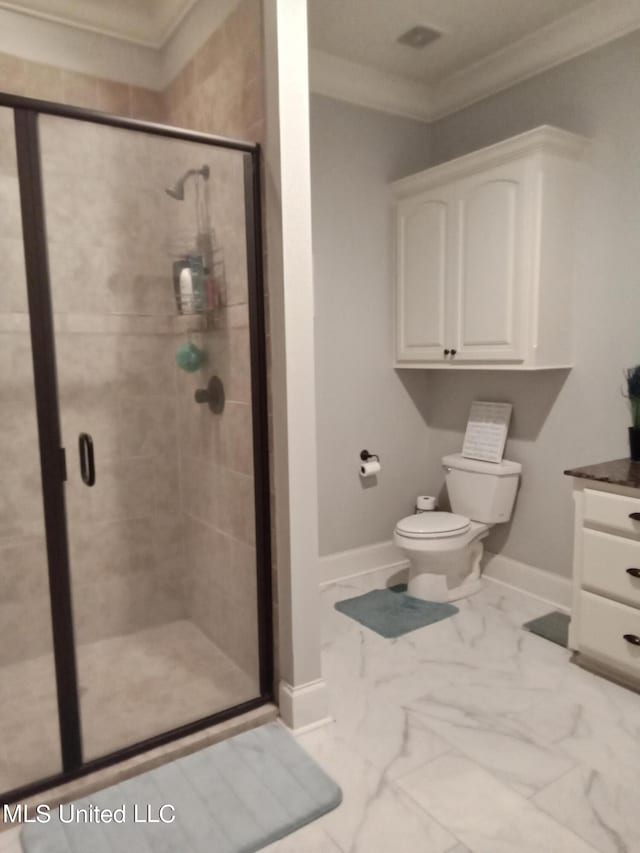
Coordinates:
(552, 626)
(391, 612)
(234, 797)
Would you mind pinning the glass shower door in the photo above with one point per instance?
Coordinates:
(148, 267)
(29, 735)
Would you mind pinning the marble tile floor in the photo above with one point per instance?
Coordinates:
(468, 736)
(132, 687)
(471, 736)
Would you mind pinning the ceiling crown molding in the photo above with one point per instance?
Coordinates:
(44, 41)
(592, 26)
(156, 43)
(579, 32)
(360, 84)
(39, 38)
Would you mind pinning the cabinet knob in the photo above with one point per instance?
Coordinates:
(634, 639)
(446, 352)
(454, 351)
(635, 573)
(634, 516)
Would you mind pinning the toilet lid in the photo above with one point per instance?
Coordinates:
(432, 524)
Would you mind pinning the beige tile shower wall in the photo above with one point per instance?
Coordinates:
(115, 341)
(106, 260)
(112, 292)
(24, 602)
(46, 82)
(217, 490)
(24, 597)
(216, 450)
(99, 282)
(220, 91)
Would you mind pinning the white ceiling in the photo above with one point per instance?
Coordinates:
(145, 22)
(366, 31)
(486, 46)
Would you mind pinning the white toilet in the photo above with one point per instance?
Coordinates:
(445, 548)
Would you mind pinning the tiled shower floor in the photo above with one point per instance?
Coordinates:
(131, 688)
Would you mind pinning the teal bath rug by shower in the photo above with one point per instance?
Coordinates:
(234, 797)
(391, 612)
(552, 626)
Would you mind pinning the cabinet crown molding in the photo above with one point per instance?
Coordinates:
(546, 138)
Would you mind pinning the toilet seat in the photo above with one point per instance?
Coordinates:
(433, 525)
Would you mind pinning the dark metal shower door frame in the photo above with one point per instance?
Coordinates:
(52, 457)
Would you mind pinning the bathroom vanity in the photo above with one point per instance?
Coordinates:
(605, 616)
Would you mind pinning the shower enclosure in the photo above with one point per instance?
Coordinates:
(135, 601)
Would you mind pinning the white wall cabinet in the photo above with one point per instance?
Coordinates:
(484, 257)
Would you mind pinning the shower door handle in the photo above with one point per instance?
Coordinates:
(87, 463)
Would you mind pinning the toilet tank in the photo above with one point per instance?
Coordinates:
(483, 491)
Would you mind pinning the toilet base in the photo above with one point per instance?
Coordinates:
(446, 576)
(431, 587)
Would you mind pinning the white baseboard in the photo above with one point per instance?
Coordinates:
(554, 589)
(385, 559)
(360, 561)
(304, 707)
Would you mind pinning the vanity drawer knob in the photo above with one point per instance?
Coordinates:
(635, 573)
(634, 639)
(634, 516)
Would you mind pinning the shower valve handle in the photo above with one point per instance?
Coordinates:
(212, 395)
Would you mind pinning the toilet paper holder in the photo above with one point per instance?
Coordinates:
(366, 456)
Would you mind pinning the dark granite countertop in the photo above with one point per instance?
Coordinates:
(620, 472)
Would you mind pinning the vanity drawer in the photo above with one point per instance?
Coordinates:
(604, 509)
(606, 560)
(603, 625)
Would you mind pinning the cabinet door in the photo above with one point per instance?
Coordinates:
(490, 270)
(423, 225)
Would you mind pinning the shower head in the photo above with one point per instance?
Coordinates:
(177, 190)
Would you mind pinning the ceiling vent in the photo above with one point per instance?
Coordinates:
(419, 36)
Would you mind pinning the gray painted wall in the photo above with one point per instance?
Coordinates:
(562, 420)
(413, 417)
(361, 401)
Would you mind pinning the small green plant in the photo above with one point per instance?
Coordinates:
(632, 375)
